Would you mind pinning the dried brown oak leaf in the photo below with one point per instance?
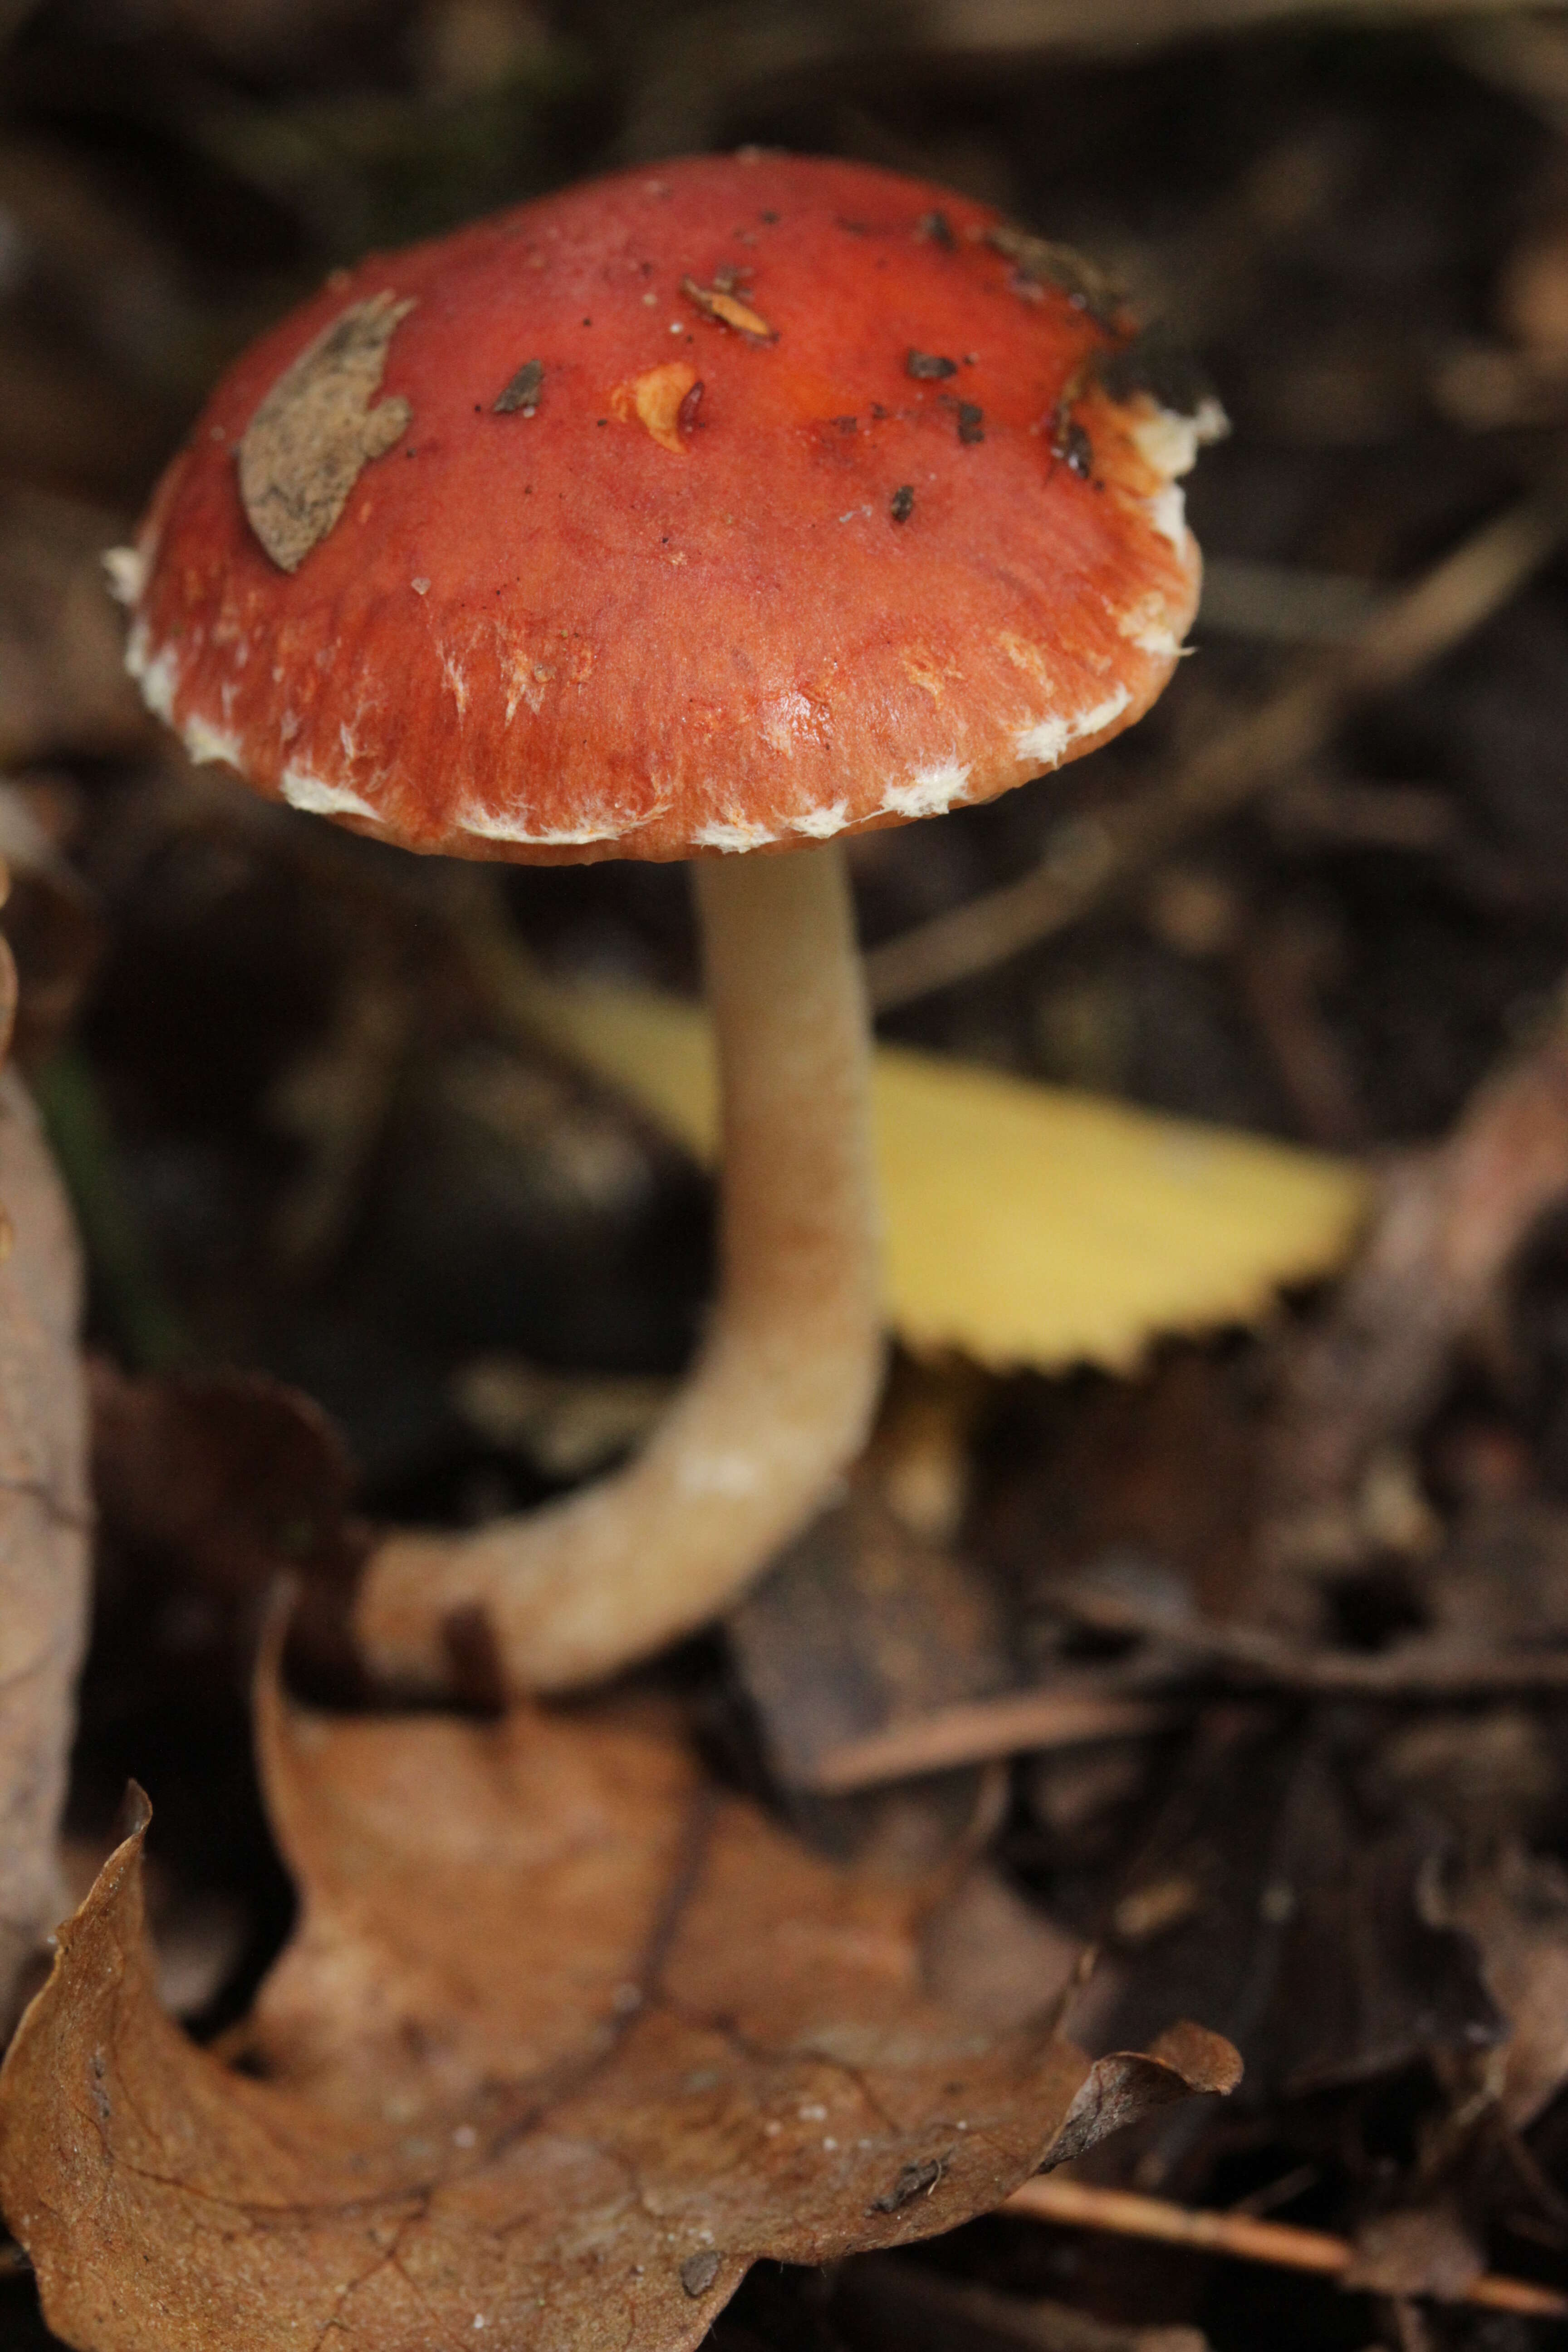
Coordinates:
(44, 1525)
(308, 443)
(565, 2040)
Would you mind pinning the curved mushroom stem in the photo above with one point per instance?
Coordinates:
(782, 1394)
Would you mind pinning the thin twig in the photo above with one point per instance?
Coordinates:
(976, 1731)
(1076, 2204)
(1427, 1666)
(1019, 1723)
(1100, 855)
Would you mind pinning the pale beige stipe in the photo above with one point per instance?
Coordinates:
(783, 1391)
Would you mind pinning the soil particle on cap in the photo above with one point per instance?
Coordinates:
(523, 389)
(847, 424)
(937, 229)
(971, 423)
(930, 367)
(901, 505)
(728, 310)
(1037, 262)
(697, 2273)
(316, 431)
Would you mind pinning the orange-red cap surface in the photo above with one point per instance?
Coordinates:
(733, 504)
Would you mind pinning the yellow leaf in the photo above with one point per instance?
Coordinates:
(1026, 1224)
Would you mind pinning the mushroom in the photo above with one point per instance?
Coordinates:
(715, 514)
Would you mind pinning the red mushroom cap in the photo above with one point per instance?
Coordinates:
(735, 504)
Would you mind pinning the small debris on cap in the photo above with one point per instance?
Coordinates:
(656, 399)
(714, 302)
(523, 391)
(971, 423)
(901, 505)
(929, 367)
(937, 229)
(697, 2273)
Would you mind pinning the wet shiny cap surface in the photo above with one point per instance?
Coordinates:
(734, 504)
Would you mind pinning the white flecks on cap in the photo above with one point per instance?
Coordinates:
(457, 681)
(1090, 722)
(487, 825)
(1048, 739)
(1169, 442)
(822, 823)
(1167, 510)
(733, 838)
(317, 798)
(127, 571)
(1045, 741)
(526, 680)
(1147, 626)
(929, 792)
(205, 743)
(157, 675)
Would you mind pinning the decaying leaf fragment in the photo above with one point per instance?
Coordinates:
(44, 1529)
(654, 400)
(316, 431)
(720, 303)
(565, 2040)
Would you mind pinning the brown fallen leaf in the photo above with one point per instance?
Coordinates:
(44, 1527)
(565, 2040)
